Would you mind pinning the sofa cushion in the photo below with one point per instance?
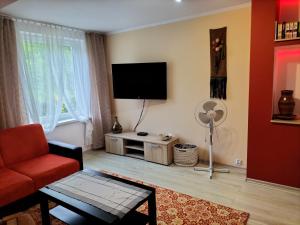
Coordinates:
(47, 168)
(14, 186)
(22, 143)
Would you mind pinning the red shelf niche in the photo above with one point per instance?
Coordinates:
(286, 74)
(287, 10)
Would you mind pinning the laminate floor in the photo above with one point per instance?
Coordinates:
(267, 204)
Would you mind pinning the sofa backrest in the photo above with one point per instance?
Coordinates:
(1, 162)
(22, 143)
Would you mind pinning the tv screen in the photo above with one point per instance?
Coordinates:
(140, 80)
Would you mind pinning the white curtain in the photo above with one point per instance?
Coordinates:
(54, 72)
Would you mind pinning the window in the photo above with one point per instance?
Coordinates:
(54, 73)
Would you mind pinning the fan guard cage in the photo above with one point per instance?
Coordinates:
(220, 105)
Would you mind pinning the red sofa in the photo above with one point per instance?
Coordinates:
(28, 162)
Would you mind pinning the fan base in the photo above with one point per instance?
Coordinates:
(211, 170)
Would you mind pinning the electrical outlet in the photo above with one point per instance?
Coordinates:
(238, 162)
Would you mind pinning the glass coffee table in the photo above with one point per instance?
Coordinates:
(90, 197)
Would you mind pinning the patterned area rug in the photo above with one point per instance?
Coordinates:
(174, 208)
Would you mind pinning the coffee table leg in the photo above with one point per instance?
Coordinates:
(152, 209)
(44, 210)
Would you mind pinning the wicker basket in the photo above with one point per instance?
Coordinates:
(185, 155)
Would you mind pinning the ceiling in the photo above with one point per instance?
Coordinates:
(114, 15)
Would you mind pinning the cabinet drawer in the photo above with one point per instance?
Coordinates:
(156, 153)
(114, 145)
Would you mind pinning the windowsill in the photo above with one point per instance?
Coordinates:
(66, 122)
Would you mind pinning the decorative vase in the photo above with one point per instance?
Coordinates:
(116, 128)
(286, 103)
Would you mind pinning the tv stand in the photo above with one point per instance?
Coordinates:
(150, 148)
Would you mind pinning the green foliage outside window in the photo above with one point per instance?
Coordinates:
(40, 72)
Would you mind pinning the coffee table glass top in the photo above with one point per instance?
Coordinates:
(110, 195)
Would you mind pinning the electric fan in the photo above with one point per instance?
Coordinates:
(211, 113)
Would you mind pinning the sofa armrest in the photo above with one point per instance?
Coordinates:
(66, 150)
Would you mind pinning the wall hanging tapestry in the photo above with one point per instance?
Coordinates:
(218, 63)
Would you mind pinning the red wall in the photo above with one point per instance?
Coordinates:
(273, 149)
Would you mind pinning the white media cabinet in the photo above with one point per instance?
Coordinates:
(150, 147)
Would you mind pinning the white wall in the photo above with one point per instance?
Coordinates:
(72, 133)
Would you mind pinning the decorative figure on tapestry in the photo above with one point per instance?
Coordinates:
(218, 63)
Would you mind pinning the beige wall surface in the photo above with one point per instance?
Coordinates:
(185, 47)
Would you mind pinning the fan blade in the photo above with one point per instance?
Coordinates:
(219, 115)
(203, 117)
(210, 105)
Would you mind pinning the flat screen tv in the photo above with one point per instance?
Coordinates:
(140, 80)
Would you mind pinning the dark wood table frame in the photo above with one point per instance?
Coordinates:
(84, 213)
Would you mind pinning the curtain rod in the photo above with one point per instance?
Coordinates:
(47, 23)
(40, 22)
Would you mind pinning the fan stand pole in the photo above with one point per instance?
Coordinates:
(211, 169)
